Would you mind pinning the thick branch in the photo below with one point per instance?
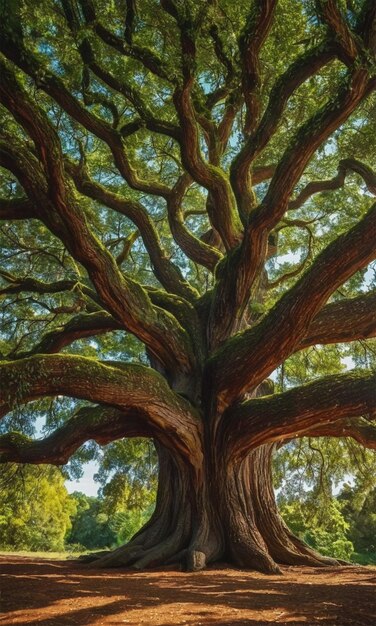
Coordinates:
(125, 387)
(303, 68)
(359, 428)
(55, 87)
(124, 298)
(133, 95)
(344, 167)
(222, 209)
(103, 424)
(195, 249)
(20, 285)
(245, 266)
(149, 59)
(340, 31)
(251, 40)
(297, 411)
(309, 137)
(248, 358)
(365, 27)
(346, 320)
(262, 172)
(164, 269)
(16, 209)
(79, 327)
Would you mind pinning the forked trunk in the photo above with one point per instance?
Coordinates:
(227, 513)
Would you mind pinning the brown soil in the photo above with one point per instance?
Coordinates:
(66, 593)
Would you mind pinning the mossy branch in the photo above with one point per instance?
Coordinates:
(299, 411)
(130, 388)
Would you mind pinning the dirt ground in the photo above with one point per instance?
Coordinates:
(67, 593)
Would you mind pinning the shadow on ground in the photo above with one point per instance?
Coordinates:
(66, 593)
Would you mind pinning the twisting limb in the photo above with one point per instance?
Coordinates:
(195, 249)
(100, 423)
(222, 211)
(127, 243)
(262, 172)
(94, 97)
(89, 60)
(295, 412)
(223, 215)
(23, 58)
(221, 54)
(123, 386)
(243, 269)
(345, 166)
(21, 285)
(55, 87)
(365, 27)
(258, 24)
(241, 364)
(58, 209)
(158, 126)
(230, 91)
(295, 271)
(99, 322)
(165, 270)
(127, 47)
(359, 428)
(115, 291)
(303, 68)
(78, 327)
(341, 34)
(129, 20)
(357, 86)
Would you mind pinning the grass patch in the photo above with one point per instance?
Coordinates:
(58, 556)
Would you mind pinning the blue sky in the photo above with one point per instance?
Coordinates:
(86, 484)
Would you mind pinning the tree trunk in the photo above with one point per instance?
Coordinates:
(227, 513)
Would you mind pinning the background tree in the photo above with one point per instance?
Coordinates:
(90, 525)
(188, 174)
(35, 508)
(127, 473)
(359, 507)
(317, 503)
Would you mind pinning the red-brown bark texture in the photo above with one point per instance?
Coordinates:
(203, 392)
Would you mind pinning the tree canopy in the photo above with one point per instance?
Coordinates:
(188, 230)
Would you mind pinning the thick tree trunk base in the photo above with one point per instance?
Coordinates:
(233, 518)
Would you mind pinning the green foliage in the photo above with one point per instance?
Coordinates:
(128, 474)
(127, 522)
(323, 528)
(368, 558)
(332, 516)
(359, 507)
(91, 527)
(35, 508)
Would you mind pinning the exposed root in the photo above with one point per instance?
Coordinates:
(195, 561)
(121, 557)
(249, 557)
(161, 553)
(195, 524)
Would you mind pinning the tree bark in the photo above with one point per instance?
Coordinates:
(210, 350)
(226, 513)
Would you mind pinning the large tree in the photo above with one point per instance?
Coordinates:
(196, 175)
